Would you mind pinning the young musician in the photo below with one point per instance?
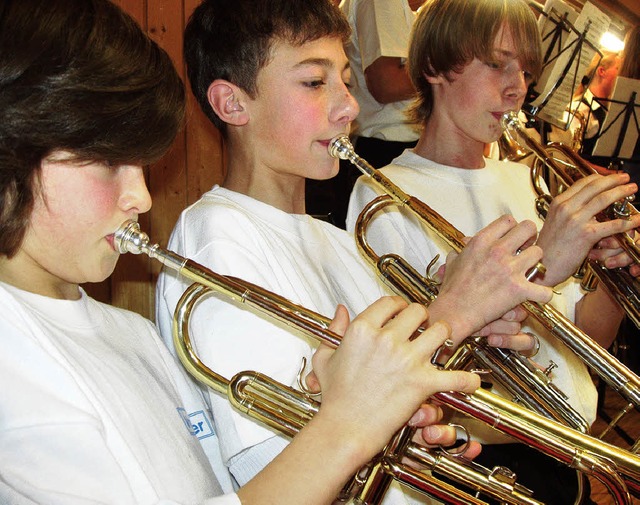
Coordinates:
(471, 61)
(94, 409)
(271, 74)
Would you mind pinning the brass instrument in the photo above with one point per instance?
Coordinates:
(614, 373)
(568, 173)
(563, 163)
(619, 377)
(527, 384)
(287, 410)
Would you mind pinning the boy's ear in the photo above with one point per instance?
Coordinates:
(434, 79)
(226, 100)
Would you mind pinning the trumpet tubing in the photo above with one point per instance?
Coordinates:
(614, 373)
(292, 409)
(568, 173)
(288, 410)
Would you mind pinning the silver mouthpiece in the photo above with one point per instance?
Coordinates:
(340, 147)
(509, 119)
(129, 238)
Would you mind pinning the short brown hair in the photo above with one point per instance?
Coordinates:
(232, 39)
(79, 76)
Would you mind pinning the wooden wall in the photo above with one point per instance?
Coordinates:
(190, 168)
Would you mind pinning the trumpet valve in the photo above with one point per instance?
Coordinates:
(621, 209)
(550, 368)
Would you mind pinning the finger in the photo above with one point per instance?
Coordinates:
(439, 275)
(500, 327)
(446, 436)
(517, 314)
(597, 188)
(426, 415)
(528, 258)
(521, 236)
(473, 450)
(430, 340)
(613, 227)
(319, 362)
(439, 434)
(407, 322)
(382, 311)
(455, 380)
(521, 342)
(611, 258)
(313, 384)
(501, 228)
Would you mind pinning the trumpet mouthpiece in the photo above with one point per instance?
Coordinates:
(509, 119)
(340, 147)
(129, 238)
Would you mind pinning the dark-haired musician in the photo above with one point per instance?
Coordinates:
(272, 74)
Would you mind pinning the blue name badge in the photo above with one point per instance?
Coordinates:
(197, 423)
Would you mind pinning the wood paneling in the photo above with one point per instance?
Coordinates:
(191, 167)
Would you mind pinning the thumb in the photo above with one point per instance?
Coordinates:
(320, 358)
(340, 320)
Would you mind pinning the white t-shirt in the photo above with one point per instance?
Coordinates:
(95, 410)
(379, 28)
(470, 200)
(308, 261)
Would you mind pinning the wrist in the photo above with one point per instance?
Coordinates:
(445, 308)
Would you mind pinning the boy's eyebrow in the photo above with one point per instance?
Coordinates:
(504, 52)
(323, 62)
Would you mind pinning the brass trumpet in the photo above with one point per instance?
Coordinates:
(570, 172)
(288, 410)
(559, 160)
(614, 373)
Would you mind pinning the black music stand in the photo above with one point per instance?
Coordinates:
(621, 122)
(570, 50)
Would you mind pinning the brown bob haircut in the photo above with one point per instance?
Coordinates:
(449, 34)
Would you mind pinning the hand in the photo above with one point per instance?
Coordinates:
(487, 279)
(611, 255)
(432, 434)
(378, 377)
(505, 333)
(570, 230)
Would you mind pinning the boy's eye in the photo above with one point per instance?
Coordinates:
(494, 64)
(314, 83)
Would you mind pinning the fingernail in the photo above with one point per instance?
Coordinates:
(494, 341)
(416, 418)
(433, 432)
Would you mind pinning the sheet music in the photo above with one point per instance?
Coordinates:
(596, 23)
(614, 121)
